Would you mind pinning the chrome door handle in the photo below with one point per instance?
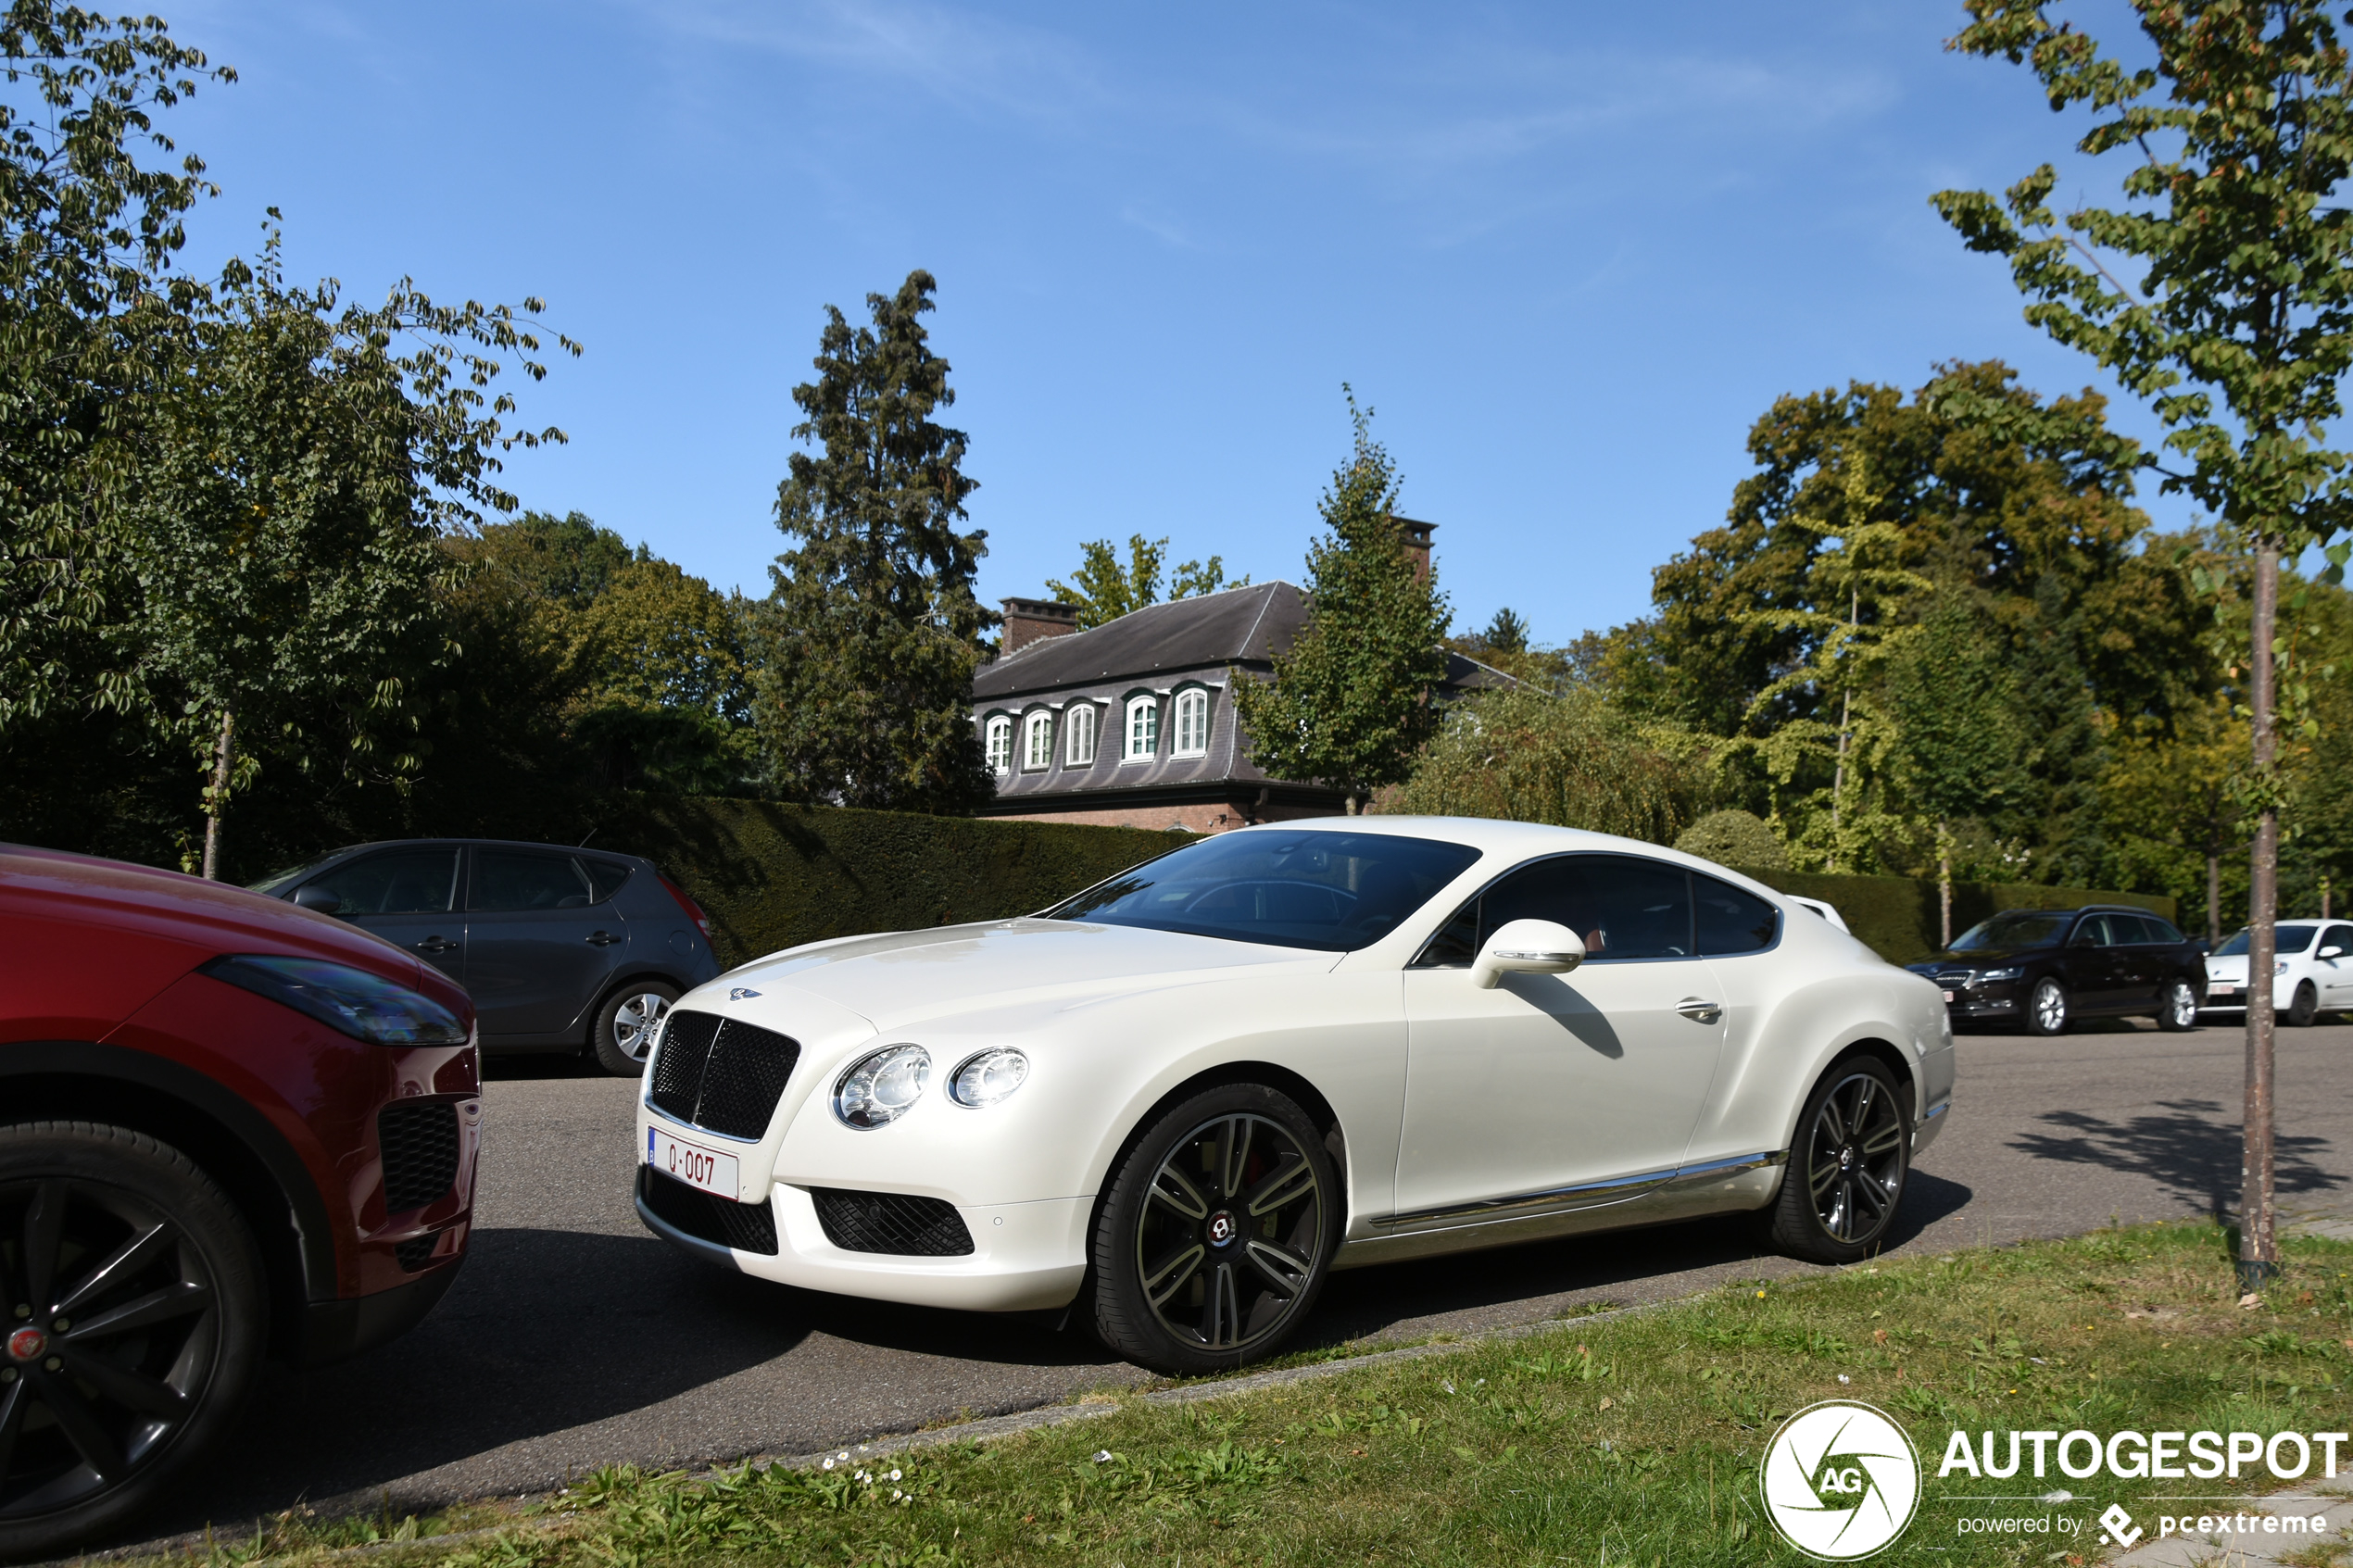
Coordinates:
(435, 944)
(602, 938)
(1699, 1012)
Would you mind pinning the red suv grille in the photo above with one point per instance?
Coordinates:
(419, 1143)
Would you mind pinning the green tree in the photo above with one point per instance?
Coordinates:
(2238, 329)
(87, 231)
(1574, 760)
(296, 475)
(667, 682)
(1956, 750)
(1354, 696)
(872, 631)
(565, 559)
(1106, 590)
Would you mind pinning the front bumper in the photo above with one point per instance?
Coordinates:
(1026, 1257)
(2003, 1001)
(2283, 995)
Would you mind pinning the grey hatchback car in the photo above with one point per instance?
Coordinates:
(561, 949)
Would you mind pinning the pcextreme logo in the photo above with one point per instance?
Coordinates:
(1840, 1480)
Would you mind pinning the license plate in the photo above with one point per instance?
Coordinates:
(1948, 996)
(2221, 990)
(709, 1169)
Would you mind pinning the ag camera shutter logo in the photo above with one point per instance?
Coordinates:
(1840, 1480)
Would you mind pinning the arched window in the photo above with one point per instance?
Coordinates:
(1001, 744)
(1143, 728)
(1037, 742)
(1192, 723)
(1078, 750)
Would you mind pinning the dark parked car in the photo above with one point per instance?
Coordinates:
(561, 949)
(2045, 968)
(228, 1129)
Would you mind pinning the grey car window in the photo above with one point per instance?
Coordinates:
(604, 876)
(527, 879)
(394, 882)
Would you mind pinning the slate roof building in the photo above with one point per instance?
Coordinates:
(1132, 723)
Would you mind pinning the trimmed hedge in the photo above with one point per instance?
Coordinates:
(1895, 917)
(771, 875)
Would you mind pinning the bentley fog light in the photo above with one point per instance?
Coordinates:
(883, 1088)
(985, 1079)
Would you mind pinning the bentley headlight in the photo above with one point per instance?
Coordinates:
(883, 1088)
(985, 1079)
(1993, 974)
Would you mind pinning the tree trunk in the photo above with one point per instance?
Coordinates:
(2258, 1246)
(216, 799)
(1944, 885)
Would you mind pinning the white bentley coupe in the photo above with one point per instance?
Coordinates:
(1176, 1101)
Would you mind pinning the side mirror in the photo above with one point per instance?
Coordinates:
(1526, 946)
(323, 900)
(2331, 952)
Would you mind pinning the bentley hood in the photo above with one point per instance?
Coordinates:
(909, 977)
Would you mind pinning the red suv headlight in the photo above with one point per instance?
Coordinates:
(350, 1001)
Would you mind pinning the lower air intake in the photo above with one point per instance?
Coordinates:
(891, 1221)
(419, 1139)
(747, 1227)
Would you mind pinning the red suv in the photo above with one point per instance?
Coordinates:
(230, 1128)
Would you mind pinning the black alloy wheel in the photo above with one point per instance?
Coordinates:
(2178, 1010)
(1848, 1167)
(625, 1025)
(133, 1320)
(2304, 1008)
(2046, 1008)
(1217, 1232)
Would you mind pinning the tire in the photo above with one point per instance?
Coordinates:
(2177, 1011)
(160, 1286)
(624, 1025)
(1188, 1280)
(2046, 1008)
(1848, 1165)
(2304, 1007)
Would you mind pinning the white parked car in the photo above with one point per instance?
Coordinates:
(2311, 974)
(1192, 1090)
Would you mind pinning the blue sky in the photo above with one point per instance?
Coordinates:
(1567, 252)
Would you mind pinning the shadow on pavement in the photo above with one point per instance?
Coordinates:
(2188, 1147)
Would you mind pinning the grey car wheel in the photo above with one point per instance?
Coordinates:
(626, 1024)
(2179, 1008)
(2047, 1010)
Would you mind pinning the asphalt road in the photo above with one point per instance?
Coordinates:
(573, 1339)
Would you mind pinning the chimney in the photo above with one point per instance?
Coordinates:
(1030, 621)
(1418, 543)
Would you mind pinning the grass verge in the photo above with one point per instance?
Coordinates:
(1626, 1440)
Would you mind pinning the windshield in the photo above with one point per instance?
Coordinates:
(2291, 939)
(1332, 891)
(276, 883)
(2014, 928)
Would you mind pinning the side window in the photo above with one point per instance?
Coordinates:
(527, 879)
(1079, 751)
(1731, 921)
(605, 877)
(2091, 932)
(2339, 936)
(397, 882)
(2162, 930)
(1622, 906)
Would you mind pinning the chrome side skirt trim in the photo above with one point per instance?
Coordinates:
(1614, 1190)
